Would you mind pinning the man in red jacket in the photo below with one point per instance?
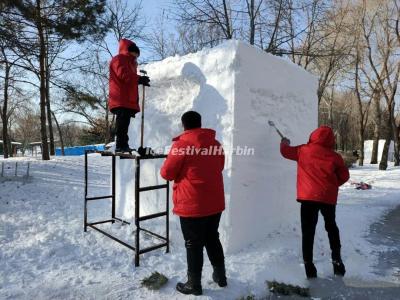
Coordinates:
(123, 90)
(320, 172)
(195, 163)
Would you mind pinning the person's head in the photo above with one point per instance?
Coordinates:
(128, 47)
(191, 120)
(134, 50)
(323, 136)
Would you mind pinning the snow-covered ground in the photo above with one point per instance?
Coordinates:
(44, 253)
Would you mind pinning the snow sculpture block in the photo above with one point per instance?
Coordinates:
(237, 89)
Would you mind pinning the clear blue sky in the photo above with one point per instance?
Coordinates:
(153, 7)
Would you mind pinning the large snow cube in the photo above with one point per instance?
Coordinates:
(237, 89)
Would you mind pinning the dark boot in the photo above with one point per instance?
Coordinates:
(311, 270)
(338, 267)
(192, 286)
(219, 276)
(124, 149)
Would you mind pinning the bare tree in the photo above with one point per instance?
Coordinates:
(216, 13)
(12, 92)
(60, 134)
(123, 21)
(4, 109)
(377, 125)
(382, 44)
(89, 98)
(160, 39)
(27, 125)
(253, 12)
(68, 20)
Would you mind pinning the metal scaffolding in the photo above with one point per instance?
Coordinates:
(137, 218)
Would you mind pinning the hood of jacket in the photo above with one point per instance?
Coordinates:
(323, 136)
(124, 45)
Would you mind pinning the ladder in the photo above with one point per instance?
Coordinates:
(137, 218)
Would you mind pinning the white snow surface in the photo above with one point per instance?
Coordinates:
(237, 89)
(44, 253)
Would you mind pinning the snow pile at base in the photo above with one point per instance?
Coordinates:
(237, 89)
(368, 150)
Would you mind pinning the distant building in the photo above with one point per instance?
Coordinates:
(36, 147)
(14, 147)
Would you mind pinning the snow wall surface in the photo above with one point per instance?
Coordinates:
(237, 89)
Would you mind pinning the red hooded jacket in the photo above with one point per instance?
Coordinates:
(320, 170)
(123, 82)
(198, 182)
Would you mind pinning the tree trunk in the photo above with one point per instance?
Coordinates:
(48, 107)
(361, 137)
(4, 113)
(10, 147)
(361, 129)
(377, 128)
(60, 134)
(395, 139)
(398, 142)
(42, 76)
(227, 21)
(108, 129)
(385, 153)
(5, 141)
(330, 113)
(361, 115)
(252, 23)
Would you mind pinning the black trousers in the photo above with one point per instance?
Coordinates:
(199, 233)
(309, 220)
(122, 121)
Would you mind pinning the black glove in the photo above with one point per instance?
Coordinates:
(144, 80)
(285, 141)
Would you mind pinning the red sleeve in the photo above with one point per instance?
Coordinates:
(173, 163)
(290, 152)
(123, 71)
(342, 172)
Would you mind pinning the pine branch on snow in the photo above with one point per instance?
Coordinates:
(155, 281)
(287, 289)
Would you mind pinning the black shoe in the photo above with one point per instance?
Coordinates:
(338, 268)
(192, 286)
(219, 276)
(311, 270)
(124, 150)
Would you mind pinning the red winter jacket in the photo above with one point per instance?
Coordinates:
(123, 82)
(320, 170)
(198, 182)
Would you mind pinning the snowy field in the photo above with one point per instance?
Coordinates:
(44, 253)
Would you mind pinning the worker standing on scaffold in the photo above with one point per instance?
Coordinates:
(123, 90)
